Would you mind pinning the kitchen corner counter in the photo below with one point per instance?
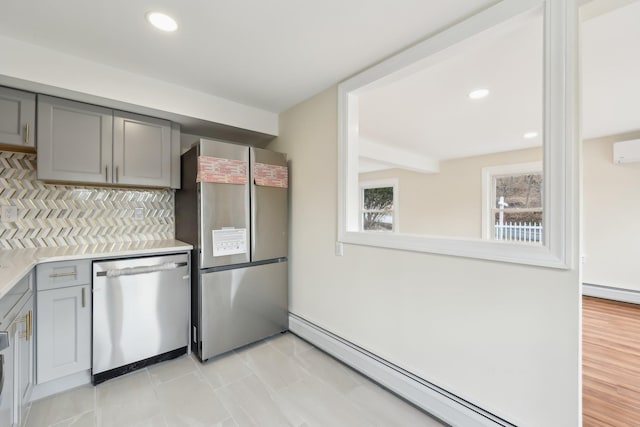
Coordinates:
(16, 263)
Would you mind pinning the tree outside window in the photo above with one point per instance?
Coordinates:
(378, 207)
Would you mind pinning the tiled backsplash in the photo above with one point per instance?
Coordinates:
(63, 215)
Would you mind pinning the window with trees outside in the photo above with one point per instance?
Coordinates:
(378, 206)
(513, 209)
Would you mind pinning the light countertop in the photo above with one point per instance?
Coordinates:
(16, 263)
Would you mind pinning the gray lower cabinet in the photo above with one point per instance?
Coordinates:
(63, 319)
(16, 352)
(17, 118)
(84, 143)
(24, 356)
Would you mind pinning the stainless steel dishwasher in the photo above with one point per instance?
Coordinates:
(140, 313)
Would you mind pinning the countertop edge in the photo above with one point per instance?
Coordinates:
(11, 275)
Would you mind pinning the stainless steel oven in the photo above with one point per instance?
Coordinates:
(140, 313)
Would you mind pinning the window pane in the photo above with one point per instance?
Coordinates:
(518, 226)
(378, 198)
(377, 221)
(519, 191)
(517, 217)
(378, 209)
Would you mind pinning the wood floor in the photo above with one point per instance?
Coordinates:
(611, 363)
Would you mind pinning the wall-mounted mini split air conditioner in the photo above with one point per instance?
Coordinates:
(626, 152)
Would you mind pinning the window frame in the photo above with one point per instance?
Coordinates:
(560, 131)
(489, 195)
(382, 183)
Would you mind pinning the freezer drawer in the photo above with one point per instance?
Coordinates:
(140, 309)
(242, 305)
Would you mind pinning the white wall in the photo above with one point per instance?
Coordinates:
(61, 72)
(503, 336)
(611, 219)
(448, 203)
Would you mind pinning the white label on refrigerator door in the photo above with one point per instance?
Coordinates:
(229, 241)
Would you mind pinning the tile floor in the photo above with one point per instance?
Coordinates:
(282, 381)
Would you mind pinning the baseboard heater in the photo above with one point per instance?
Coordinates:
(434, 400)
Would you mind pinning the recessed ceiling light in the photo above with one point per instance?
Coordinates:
(161, 21)
(478, 93)
(530, 135)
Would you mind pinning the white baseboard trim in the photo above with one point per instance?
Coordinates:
(607, 292)
(432, 399)
(40, 391)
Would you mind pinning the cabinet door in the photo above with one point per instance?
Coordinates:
(8, 369)
(63, 334)
(141, 150)
(74, 141)
(17, 117)
(23, 372)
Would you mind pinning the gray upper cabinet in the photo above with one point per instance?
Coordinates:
(75, 141)
(17, 118)
(141, 150)
(84, 143)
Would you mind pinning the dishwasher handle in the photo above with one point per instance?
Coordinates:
(131, 271)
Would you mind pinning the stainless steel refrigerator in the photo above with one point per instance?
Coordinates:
(233, 208)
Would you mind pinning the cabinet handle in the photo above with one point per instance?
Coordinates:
(26, 134)
(116, 174)
(55, 275)
(27, 319)
(106, 173)
(29, 324)
(83, 298)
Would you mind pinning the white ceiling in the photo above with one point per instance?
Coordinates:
(273, 54)
(429, 113)
(269, 54)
